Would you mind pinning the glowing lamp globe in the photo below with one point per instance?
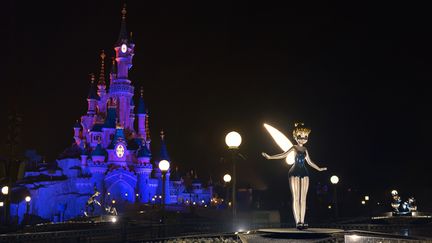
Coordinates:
(5, 190)
(334, 179)
(164, 165)
(394, 192)
(233, 140)
(1, 204)
(28, 199)
(227, 178)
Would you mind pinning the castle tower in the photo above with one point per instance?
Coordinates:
(121, 87)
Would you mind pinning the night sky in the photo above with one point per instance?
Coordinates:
(356, 74)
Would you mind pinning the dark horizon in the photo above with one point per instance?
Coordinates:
(355, 74)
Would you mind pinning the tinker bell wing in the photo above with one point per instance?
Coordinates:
(282, 141)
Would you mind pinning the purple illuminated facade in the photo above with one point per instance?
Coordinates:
(115, 156)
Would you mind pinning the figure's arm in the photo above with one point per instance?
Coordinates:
(278, 156)
(312, 164)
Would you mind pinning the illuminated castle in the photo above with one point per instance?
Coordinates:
(113, 145)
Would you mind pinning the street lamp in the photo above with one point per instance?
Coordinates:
(335, 180)
(5, 192)
(233, 141)
(227, 179)
(164, 167)
(27, 199)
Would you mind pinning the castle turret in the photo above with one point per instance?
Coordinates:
(77, 130)
(147, 130)
(143, 154)
(92, 97)
(98, 154)
(109, 126)
(143, 170)
(141, 114)
(131, 112)
(102, 85)
(84, 152)
(113, 72)
(89, 119)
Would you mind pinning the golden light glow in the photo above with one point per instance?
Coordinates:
(282, 141)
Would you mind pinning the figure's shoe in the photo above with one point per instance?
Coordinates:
(305, 226)
(299, 226)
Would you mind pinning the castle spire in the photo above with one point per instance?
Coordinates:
(92, 92)
(113, 73)
(163, 155)
(123, 36)
(147, 138)
(141, 106)
(102, 70)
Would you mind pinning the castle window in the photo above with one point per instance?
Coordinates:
(96, 138)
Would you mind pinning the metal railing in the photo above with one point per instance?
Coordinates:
(137, 232)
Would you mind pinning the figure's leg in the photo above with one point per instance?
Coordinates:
(294, 183)
(304, 191)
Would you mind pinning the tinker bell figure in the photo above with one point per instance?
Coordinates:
(298, 174)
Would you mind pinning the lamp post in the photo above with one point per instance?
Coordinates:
(227, 179)
(5, 192)
(335, 180)
(164, 167)
(27, 199)
(233, 141)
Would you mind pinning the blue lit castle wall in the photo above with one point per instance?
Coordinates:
(111, 153)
